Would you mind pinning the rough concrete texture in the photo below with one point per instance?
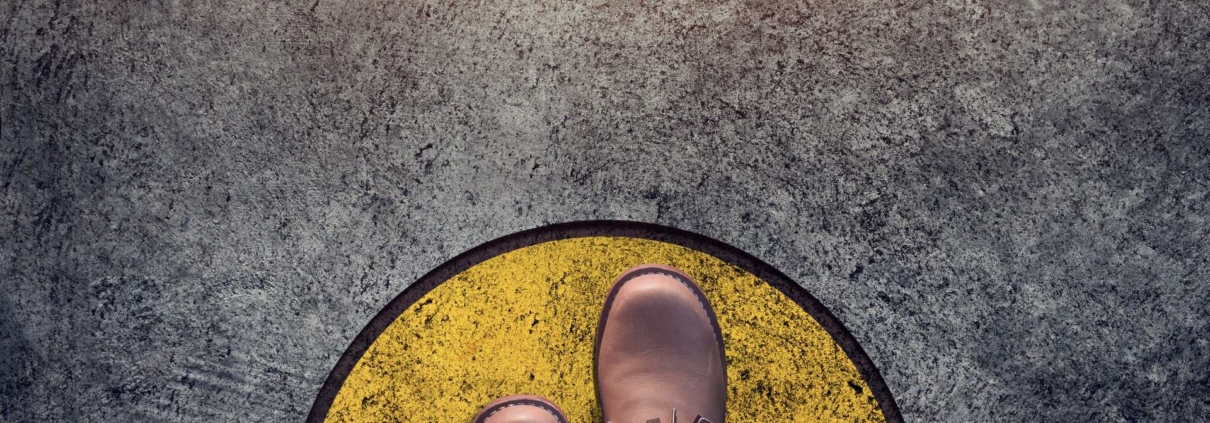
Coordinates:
(1004, 201)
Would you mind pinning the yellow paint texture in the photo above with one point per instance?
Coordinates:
(524, 322)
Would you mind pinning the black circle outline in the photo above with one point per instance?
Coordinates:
(613, 228)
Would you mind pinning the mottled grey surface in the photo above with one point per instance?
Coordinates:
(1004, 201)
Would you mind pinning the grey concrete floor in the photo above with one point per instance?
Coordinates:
(1004, 201)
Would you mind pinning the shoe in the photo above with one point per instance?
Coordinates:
(659, 351)
(521, 409)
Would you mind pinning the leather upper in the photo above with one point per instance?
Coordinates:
(658, 351)
(522, 414)
(521, 409)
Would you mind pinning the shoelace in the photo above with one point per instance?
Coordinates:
(698, 419)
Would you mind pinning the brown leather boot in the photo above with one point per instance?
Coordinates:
(521, 409)
(659, 351)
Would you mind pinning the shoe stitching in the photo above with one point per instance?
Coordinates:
(683, 282)
(531, 404)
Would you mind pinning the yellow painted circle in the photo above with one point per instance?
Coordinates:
(523, 322)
